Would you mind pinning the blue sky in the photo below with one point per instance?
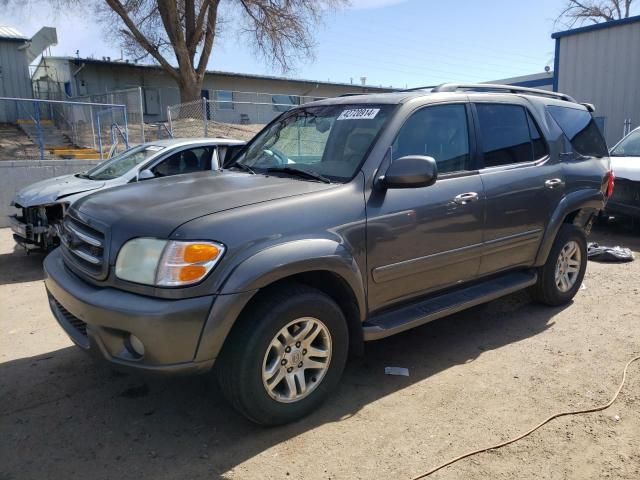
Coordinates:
(391, 42)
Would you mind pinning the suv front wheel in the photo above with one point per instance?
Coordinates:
(286, 355)
(561, 276)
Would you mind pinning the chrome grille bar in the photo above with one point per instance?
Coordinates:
(83, 236)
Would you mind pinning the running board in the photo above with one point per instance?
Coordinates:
(416, 314)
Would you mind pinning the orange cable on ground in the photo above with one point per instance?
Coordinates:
(529, 432)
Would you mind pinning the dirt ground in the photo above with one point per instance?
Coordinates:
(475, 378)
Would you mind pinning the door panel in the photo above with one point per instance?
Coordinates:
(419, 240)
(522, 185)
(423, 239)
(518, 206)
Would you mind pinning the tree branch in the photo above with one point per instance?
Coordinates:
(119, 9)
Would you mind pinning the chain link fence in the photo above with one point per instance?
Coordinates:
(132, 98)
(230, 114)
(34, 128)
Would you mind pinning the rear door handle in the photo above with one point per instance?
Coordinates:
(553, 183)
(465, 198)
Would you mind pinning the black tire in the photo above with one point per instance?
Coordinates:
(546, 290)
(240, 365)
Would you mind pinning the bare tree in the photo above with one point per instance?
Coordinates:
(179, 34)
(577, 12)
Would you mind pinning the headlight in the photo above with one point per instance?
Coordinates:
(166, 263)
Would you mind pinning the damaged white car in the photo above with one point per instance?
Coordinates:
(41, 206)
(625, 163)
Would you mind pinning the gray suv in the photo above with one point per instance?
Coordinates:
(343, 221)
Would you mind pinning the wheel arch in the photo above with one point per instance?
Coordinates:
(576, 208)
(324, 265)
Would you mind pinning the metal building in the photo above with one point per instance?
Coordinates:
(16, 53)
(600, 64)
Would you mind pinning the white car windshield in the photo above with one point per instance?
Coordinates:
(327, 143)
(629, 146)
(121, 164)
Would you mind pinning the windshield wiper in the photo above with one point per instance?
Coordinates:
(299, 172)
(84, 175)
(242, 166)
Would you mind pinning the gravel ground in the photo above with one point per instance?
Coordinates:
(475, 378)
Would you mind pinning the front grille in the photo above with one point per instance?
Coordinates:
(84, 246)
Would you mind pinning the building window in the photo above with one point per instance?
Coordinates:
(224, 99)
(282, 103)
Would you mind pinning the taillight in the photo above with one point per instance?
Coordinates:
(611, 180)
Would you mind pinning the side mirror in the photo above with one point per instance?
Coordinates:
(412, 171)
(146, 175)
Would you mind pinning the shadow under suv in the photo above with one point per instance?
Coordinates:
(343, 221)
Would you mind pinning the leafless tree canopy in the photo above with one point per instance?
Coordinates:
(183, 32)
(577, 12)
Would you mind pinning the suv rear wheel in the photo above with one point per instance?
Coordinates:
(286, 355)
(561, 276)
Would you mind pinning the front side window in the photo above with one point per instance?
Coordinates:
(581, 130)
(440, 132)
(331, 141)
(505, 135)
(629, 146)
(121, 164)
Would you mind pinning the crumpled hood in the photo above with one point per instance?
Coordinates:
(155, 208)
(48, 191)
(626, 167)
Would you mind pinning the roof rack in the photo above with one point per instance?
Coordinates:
(417, 89)
(453, 87)
(352, 94)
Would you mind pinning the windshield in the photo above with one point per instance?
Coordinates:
(121, 164)
(629, 146)
(329, 142)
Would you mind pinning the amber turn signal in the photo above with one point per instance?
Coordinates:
(200, 252)
(189, 273)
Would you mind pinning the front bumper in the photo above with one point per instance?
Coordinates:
(25, 231)
(100, 321)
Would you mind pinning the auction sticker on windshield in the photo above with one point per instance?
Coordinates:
(359, 114)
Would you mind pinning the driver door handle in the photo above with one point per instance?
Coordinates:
(553, 183)
(465, 198)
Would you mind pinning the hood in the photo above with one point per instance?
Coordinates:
(626, 167)
(157, 207)
(50, 190)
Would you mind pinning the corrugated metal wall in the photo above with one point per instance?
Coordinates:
(14, 77)
(603, 67)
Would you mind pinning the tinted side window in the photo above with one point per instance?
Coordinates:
(504, 132)
(581, 130)
(537, 140)
(440, 132)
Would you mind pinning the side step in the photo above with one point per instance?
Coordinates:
(416, 314)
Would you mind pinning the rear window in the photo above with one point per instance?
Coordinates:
(581, 130)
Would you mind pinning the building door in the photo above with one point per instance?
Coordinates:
(205, 94)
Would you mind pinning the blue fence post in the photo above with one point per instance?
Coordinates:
(36, 117)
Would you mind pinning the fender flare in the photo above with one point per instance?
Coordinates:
(268, 266)
(589, 200)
